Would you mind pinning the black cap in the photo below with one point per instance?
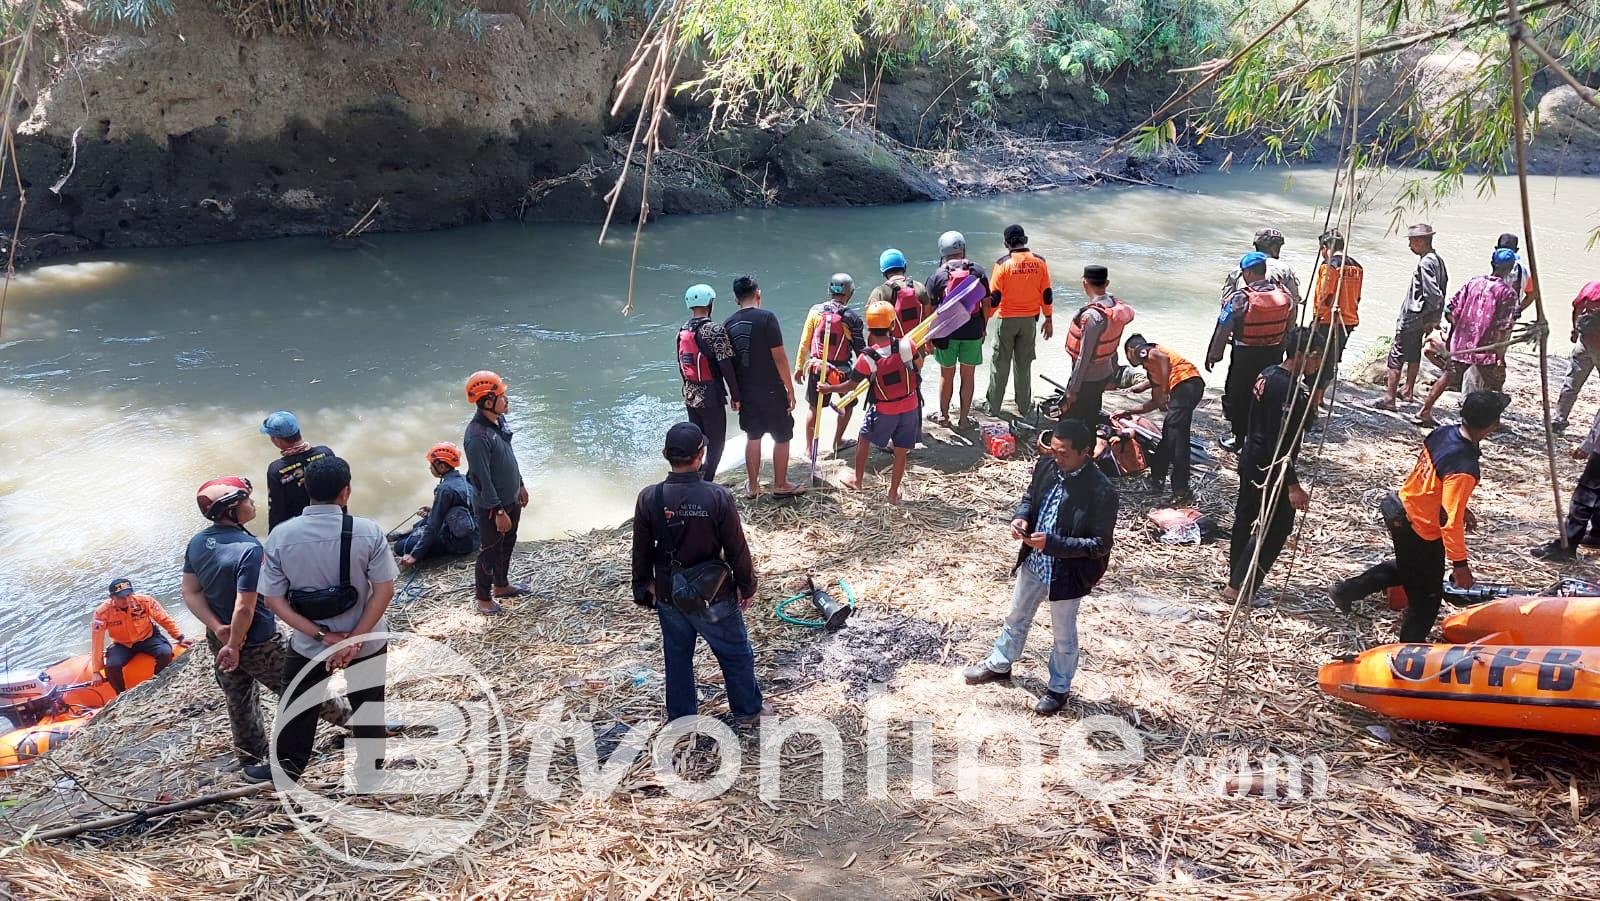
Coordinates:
(1014, 235)
(1507, 240)
(1482, 409)
(1096, 273)
(120, 587)
(684, 440)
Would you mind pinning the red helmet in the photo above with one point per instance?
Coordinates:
(220, 495)
(446, 453)
(484, 383)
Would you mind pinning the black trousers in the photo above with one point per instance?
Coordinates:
(494, 552)
(713, 420)
(1583, 515)
(296, 735)
(1418, 567)
(1243, 367)
(1249, 528)
(1086, 406)
(118, 655)
(1173, 451)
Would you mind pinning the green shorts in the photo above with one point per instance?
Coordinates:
(967, 353)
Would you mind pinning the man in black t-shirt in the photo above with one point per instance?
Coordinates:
(286, 476)
(760, 365)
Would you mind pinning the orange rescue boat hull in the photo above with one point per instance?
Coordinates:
(20, 747)
(1546, 688)
(1574, 621)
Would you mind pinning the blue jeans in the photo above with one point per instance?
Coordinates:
(728, 642)
(1025, 601)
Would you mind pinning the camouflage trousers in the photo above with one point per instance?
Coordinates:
(260, 666)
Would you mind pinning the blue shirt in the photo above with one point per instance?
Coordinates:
(227, 560)
(1040, 563)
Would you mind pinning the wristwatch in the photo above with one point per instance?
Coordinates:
(322, 634)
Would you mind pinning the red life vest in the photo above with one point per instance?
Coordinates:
(1118, 314)
(956, 285)
(894, 388)
(831, 333)
(1267, 317)
(907, 306)
(693, 364)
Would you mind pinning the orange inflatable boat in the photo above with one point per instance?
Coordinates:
(1568, 620)
(1548, 688)
(49, 706)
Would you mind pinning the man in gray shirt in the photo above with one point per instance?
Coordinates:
(304, 555)
(1419, 315)
(1270, 242)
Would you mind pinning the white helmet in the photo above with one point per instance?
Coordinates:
(951, 244)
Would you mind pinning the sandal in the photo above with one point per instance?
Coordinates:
(1426, 422)
(793, 491)
(1383, 405)
(492, 610)
(966, 425)
(940, 419)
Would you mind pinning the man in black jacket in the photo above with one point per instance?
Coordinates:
(286, 476)
(448, 527)
(498, 492)
(1064, 522)
(1279, 410)
(686, 521)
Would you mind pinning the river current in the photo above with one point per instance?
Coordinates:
(128, 378)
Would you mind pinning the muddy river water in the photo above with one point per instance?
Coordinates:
(128, 378)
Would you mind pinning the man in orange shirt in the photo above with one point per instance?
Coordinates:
(1018, 292)
(127, 618)
(1427, 519)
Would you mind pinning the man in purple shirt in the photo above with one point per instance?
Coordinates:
(1481, 314)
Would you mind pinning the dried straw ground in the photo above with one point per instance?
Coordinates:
(1411, 810)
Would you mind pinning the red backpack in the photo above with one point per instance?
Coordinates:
(693, 364)
(907, 306)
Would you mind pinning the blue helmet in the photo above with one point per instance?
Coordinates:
(699, 296)
(1252, 259)
(1503, 257)
(890, 260)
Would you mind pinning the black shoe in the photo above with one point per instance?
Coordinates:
(1229, 444)
(1185, 499)
(1340, 595)
(1558, 425)
(1553, 552)
(256, 773)
(1050, 703)
(977, 675)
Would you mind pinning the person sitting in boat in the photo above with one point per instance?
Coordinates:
(447, 527)
(130, 619)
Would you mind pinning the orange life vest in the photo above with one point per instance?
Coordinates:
(1118, 314)
(1182, 370)
(1339, 287)
(1267, 317)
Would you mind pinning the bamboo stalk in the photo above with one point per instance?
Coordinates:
(1514, 38)
(136, 816)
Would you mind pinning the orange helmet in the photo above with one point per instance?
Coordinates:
(484, 383)
(446, 453)
(219, 495)
(880, 315)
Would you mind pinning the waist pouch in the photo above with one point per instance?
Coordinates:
(326, 603)
(696, 588)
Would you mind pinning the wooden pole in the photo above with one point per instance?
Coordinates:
(1514, 41)
(137, 816)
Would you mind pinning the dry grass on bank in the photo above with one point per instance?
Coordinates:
(1411, 810)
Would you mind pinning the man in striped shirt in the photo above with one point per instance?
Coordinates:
(1427, 519)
